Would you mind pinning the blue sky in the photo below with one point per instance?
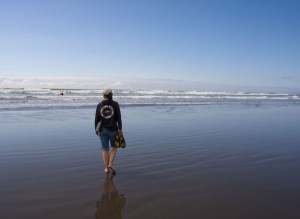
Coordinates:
(225, 44)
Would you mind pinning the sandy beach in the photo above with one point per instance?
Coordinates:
(206, 161)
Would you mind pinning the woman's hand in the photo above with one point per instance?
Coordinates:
(120, 132)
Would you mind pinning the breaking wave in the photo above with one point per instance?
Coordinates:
(12, 99)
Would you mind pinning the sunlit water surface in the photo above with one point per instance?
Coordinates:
(214, 161)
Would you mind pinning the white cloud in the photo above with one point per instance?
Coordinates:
(89, 83)
(124, 83)
(54, 82)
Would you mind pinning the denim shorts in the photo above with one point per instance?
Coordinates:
(107, 136)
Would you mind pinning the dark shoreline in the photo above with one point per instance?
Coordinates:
(207, 161)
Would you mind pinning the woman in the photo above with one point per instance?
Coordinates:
(108, 112)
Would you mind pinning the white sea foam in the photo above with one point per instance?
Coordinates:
(30, 98)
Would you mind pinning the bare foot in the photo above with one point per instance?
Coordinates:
(112, 169)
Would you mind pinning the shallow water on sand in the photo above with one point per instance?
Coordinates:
(180, 162)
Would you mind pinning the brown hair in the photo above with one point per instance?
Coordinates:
(108, 96)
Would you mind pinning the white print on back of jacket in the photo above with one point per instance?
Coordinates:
(107, 111)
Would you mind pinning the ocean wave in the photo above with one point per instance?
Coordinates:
(20, 98)
(132, 92)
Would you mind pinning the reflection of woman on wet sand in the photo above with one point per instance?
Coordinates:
(111, 204)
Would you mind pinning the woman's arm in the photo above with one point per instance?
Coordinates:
(97, 116)
(118, 117)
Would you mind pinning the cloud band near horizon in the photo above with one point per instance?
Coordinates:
(128, 83)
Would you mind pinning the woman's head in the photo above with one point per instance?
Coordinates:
(107, 94)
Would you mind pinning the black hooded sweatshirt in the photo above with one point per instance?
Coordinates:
(109, 112)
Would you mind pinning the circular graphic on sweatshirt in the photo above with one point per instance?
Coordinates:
(107, 112)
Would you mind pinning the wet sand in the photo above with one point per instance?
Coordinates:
(210, 161)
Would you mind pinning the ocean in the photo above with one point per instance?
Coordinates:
(24, 99)
(189, 154)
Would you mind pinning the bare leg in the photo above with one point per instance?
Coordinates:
(105, 156)
(112, 155)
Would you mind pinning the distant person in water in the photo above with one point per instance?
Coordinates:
(108, 112)
(61, 93)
